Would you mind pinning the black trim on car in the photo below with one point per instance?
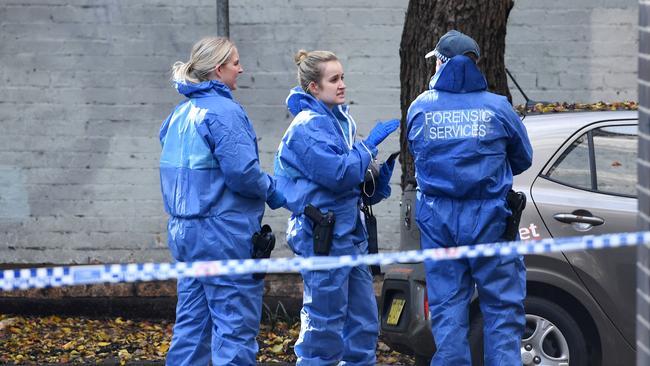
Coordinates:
(553, 157)
(592, 160)
(592, 157)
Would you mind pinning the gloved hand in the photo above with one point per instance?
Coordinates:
(386, 170)
(276, 200)
(383, 182)
(381, 131)
(382, 188)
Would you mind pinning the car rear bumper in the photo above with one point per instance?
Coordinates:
(412, 332)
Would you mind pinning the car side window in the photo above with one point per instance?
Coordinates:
(615, 152)
(572, 168)
(613, 168)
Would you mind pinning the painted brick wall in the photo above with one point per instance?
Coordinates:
(269, 33)
(577, 50)
(84, 87)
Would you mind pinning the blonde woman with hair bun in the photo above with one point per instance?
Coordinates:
(319, 167)
(214, 191)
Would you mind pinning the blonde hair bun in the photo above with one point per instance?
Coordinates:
(309, 66)
(300, 57)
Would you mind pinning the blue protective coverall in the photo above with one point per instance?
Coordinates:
(319, 163)
(467, 143)
(214, 191)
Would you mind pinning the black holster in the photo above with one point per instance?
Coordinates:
(263, 244)
(516, 203)
(373, 242)
(322, 228)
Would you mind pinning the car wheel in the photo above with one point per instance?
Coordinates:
(422, 360)
(552, 337)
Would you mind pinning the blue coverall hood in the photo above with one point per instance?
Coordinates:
(458, 75)
(204, 89)
(299, 100)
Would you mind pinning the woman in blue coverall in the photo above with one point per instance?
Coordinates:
(214, 192)
(320, 163)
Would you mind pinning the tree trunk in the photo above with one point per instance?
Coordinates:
(426, 21)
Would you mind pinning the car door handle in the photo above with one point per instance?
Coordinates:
(568, 218)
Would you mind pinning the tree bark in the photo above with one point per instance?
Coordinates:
(426, 21)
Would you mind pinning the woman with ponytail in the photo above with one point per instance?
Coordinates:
(320, 164)
(214, 192)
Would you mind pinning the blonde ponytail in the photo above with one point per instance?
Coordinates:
(207, 54)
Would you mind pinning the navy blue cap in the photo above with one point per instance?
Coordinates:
(454, 43)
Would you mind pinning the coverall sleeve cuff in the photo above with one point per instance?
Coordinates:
(370, 148)
(271, 189)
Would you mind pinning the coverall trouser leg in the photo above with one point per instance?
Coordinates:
(449, 289)
(499, 280)
(501, 285)
(218, 320)
(338, 319)
(361, 327)
(192, 330)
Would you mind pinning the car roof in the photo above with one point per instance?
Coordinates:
(567, 121)
(547, 133)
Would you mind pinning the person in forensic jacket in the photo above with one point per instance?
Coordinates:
(320, 163)
(214, 192)
(467, 143)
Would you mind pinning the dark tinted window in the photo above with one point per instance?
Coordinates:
(615, 149)
(572, 167)
(615, 153)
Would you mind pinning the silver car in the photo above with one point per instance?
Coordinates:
(580, 306)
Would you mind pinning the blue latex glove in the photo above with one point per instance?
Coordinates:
(276, 200)
(381, 131)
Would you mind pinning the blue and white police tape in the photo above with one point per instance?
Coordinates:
(29, 278)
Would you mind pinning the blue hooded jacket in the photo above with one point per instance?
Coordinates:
(460, 135)
(467, 143)
(318, 161)
(210, 173)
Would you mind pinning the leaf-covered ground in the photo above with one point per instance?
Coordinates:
(80, 340)
(576, 107)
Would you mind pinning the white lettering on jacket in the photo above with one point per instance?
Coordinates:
(457, 124)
